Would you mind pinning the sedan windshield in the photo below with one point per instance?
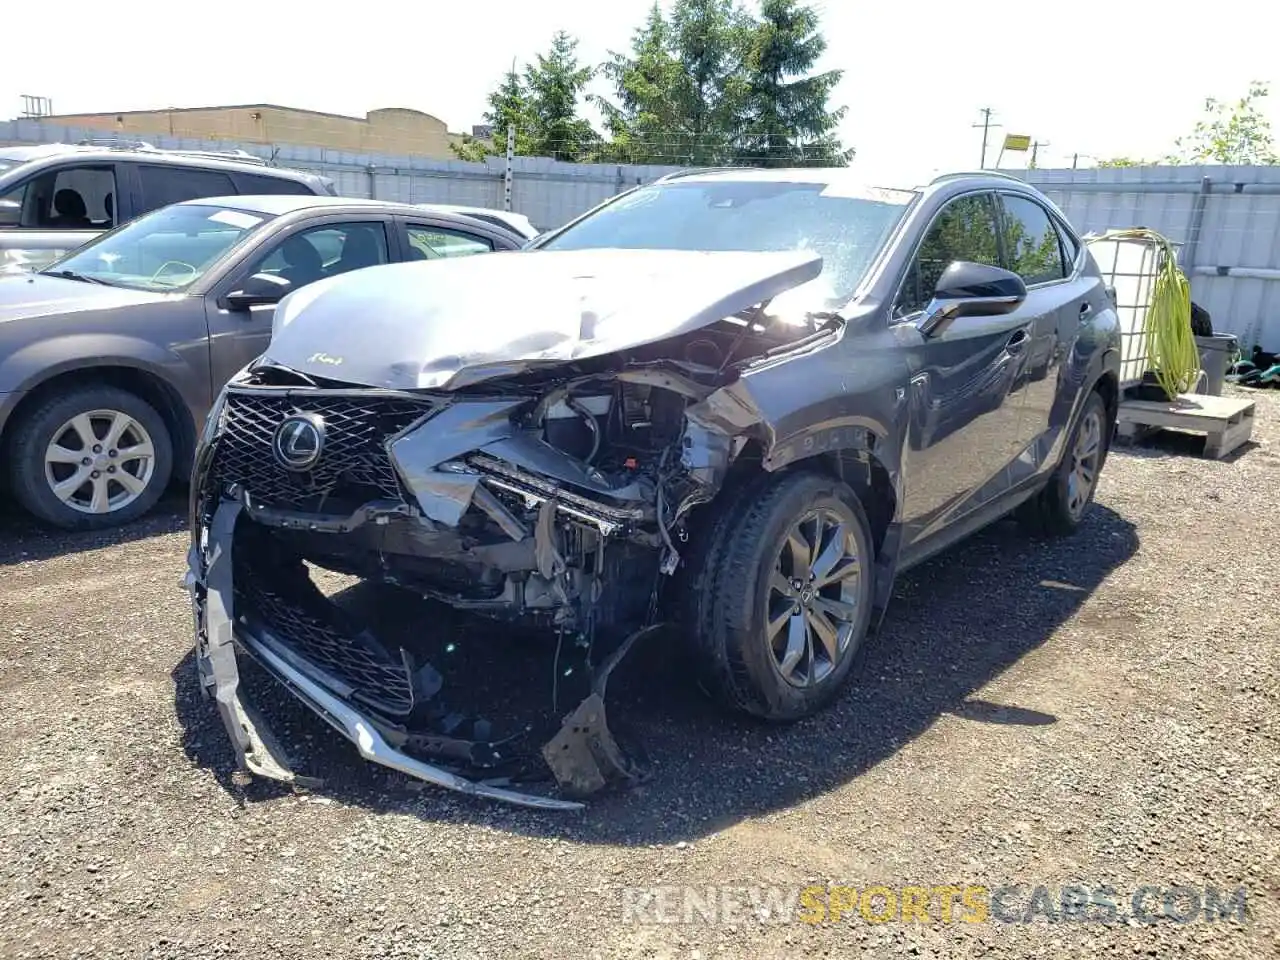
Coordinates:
(169, 249)
(847, 227)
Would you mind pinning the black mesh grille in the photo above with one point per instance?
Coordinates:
(353, 467)
(379, 677)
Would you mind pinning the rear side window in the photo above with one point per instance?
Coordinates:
(964, 230)
(253, 183)
(435, 243)
(1070, 246)
(1031, 241)
(162, 186)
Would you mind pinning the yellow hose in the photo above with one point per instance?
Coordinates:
(1172, 353)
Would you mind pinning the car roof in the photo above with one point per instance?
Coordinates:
(844, 178)
(51, 151)
(279, 204)
(283, 204)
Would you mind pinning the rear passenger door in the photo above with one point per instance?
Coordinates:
(162, 184)
(430, 238)
(1046, 257)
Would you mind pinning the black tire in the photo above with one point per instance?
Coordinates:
(33, 434)
(1050, 512)
(731, 593)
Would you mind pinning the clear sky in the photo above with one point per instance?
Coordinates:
(1094, 77)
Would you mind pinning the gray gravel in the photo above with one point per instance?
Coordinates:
(1096, 711)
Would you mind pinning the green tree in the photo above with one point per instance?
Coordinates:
(641, 123)
(679, 94)
(710, 41)
(786, 118)
(553, 85)
(1236, 133)
(508, 105)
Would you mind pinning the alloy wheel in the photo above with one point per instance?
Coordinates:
(99, 461)
(1085, 461)
(814, 597)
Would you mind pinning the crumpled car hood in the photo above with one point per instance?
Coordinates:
(446, 324)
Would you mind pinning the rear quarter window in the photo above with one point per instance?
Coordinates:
(252, 183)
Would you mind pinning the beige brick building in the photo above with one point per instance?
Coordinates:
(395, 130)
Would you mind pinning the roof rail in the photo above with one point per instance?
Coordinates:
(239, 156)
(999, 174)
(696, 171)
(115, 143)
(120, 143)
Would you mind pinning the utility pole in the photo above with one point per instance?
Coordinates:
(1035, 149)
(986, 126)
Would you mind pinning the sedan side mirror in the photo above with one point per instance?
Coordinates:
(968, 289)
(261, 288)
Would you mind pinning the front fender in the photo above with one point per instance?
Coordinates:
(42, 360)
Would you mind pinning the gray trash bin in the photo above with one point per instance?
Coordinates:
(1216, 354)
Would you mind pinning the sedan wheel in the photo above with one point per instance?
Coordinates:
(100, 461)
(92, 458)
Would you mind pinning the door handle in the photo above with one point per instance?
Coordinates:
(1017, 342)
(1086, 308)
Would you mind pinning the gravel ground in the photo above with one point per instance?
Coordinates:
(1099, 711)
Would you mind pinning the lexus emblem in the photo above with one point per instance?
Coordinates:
(299, 441)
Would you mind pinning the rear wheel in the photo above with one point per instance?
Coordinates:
(786, 598)
(94, 458)
(1061, 506)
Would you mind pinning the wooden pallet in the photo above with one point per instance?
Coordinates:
(1227, 422)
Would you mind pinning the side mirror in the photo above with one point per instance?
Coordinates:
(971, 290)
(261, 288)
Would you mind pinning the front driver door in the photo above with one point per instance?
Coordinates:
(966, 421)
(298, 257)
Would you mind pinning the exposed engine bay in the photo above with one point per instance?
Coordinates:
(558, 497)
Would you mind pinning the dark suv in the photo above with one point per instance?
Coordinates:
(734, 404)
(55, 197)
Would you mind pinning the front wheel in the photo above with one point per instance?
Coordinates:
(785, 600)
(94, 458)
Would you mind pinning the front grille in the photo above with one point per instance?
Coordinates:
(353, 468)
(377, 676)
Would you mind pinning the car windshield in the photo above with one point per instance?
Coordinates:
(846, 226)
(169, 249)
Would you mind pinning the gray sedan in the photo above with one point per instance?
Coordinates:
(110, 356)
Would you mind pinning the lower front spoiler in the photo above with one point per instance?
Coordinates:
(218, 635)
(360, 731)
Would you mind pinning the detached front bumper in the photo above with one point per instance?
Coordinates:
(218, 636)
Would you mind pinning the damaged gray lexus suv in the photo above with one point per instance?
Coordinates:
(729, 404)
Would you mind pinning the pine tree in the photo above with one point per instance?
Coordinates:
(786, 119)
(641, 124)
(554, 84)
(710, 43)
(508, 105)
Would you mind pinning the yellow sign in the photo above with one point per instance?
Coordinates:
(1017, 141)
